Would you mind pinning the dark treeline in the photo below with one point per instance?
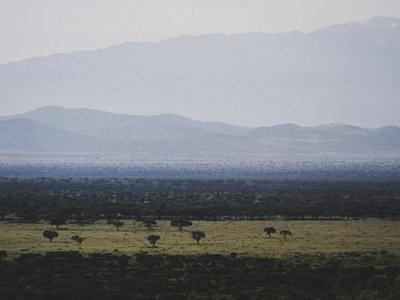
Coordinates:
(92, 199)
(69, 275)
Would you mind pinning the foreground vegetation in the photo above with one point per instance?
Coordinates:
(69, 275)
(222, 237)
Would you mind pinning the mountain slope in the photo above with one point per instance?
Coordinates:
(110, 126)
(54, 129)
(100, 131)
(346, 73)
(27, 135)
(330, 138)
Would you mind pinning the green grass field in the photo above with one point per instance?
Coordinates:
(243, 237)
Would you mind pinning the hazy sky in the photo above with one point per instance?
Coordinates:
(43, 27)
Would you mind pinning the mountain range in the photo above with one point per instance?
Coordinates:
(62, 130)
(347, 73)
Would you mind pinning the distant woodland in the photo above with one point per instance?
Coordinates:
(84, 200)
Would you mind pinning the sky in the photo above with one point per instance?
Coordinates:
(31, 28)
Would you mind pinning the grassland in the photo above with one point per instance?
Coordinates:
(222, 237)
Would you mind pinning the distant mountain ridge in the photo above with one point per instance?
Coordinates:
(90, 122)
(56, 129)
(27, 135)
(347, 72)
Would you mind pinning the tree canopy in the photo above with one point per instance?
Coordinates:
(198, 235)
(49, 234)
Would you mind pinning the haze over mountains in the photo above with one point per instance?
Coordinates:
(347, 73)
(61, 130)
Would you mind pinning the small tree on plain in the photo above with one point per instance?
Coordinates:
(198, 235)
(153, 239)
(57, 221)
(269, 230)
(49, 234)
(78, 239)
(118, 224)
(180, 223)
(149, 224)
(284, 234)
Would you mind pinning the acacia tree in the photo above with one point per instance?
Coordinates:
(118, 224)
(284, 234)
(269, 230)
(149, 224)
(57, 221)
(180, 223)
(153, 239)
(78, 239)
(49, 234)
(198, 235)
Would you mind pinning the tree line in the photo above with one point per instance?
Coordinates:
(197, 235)
(83, 200)
(149, 224)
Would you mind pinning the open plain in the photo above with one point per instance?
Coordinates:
(222, 237)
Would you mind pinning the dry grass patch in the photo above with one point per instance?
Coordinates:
(243, 237)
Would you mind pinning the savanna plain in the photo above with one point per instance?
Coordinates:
(222, 237)
(114, 238)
